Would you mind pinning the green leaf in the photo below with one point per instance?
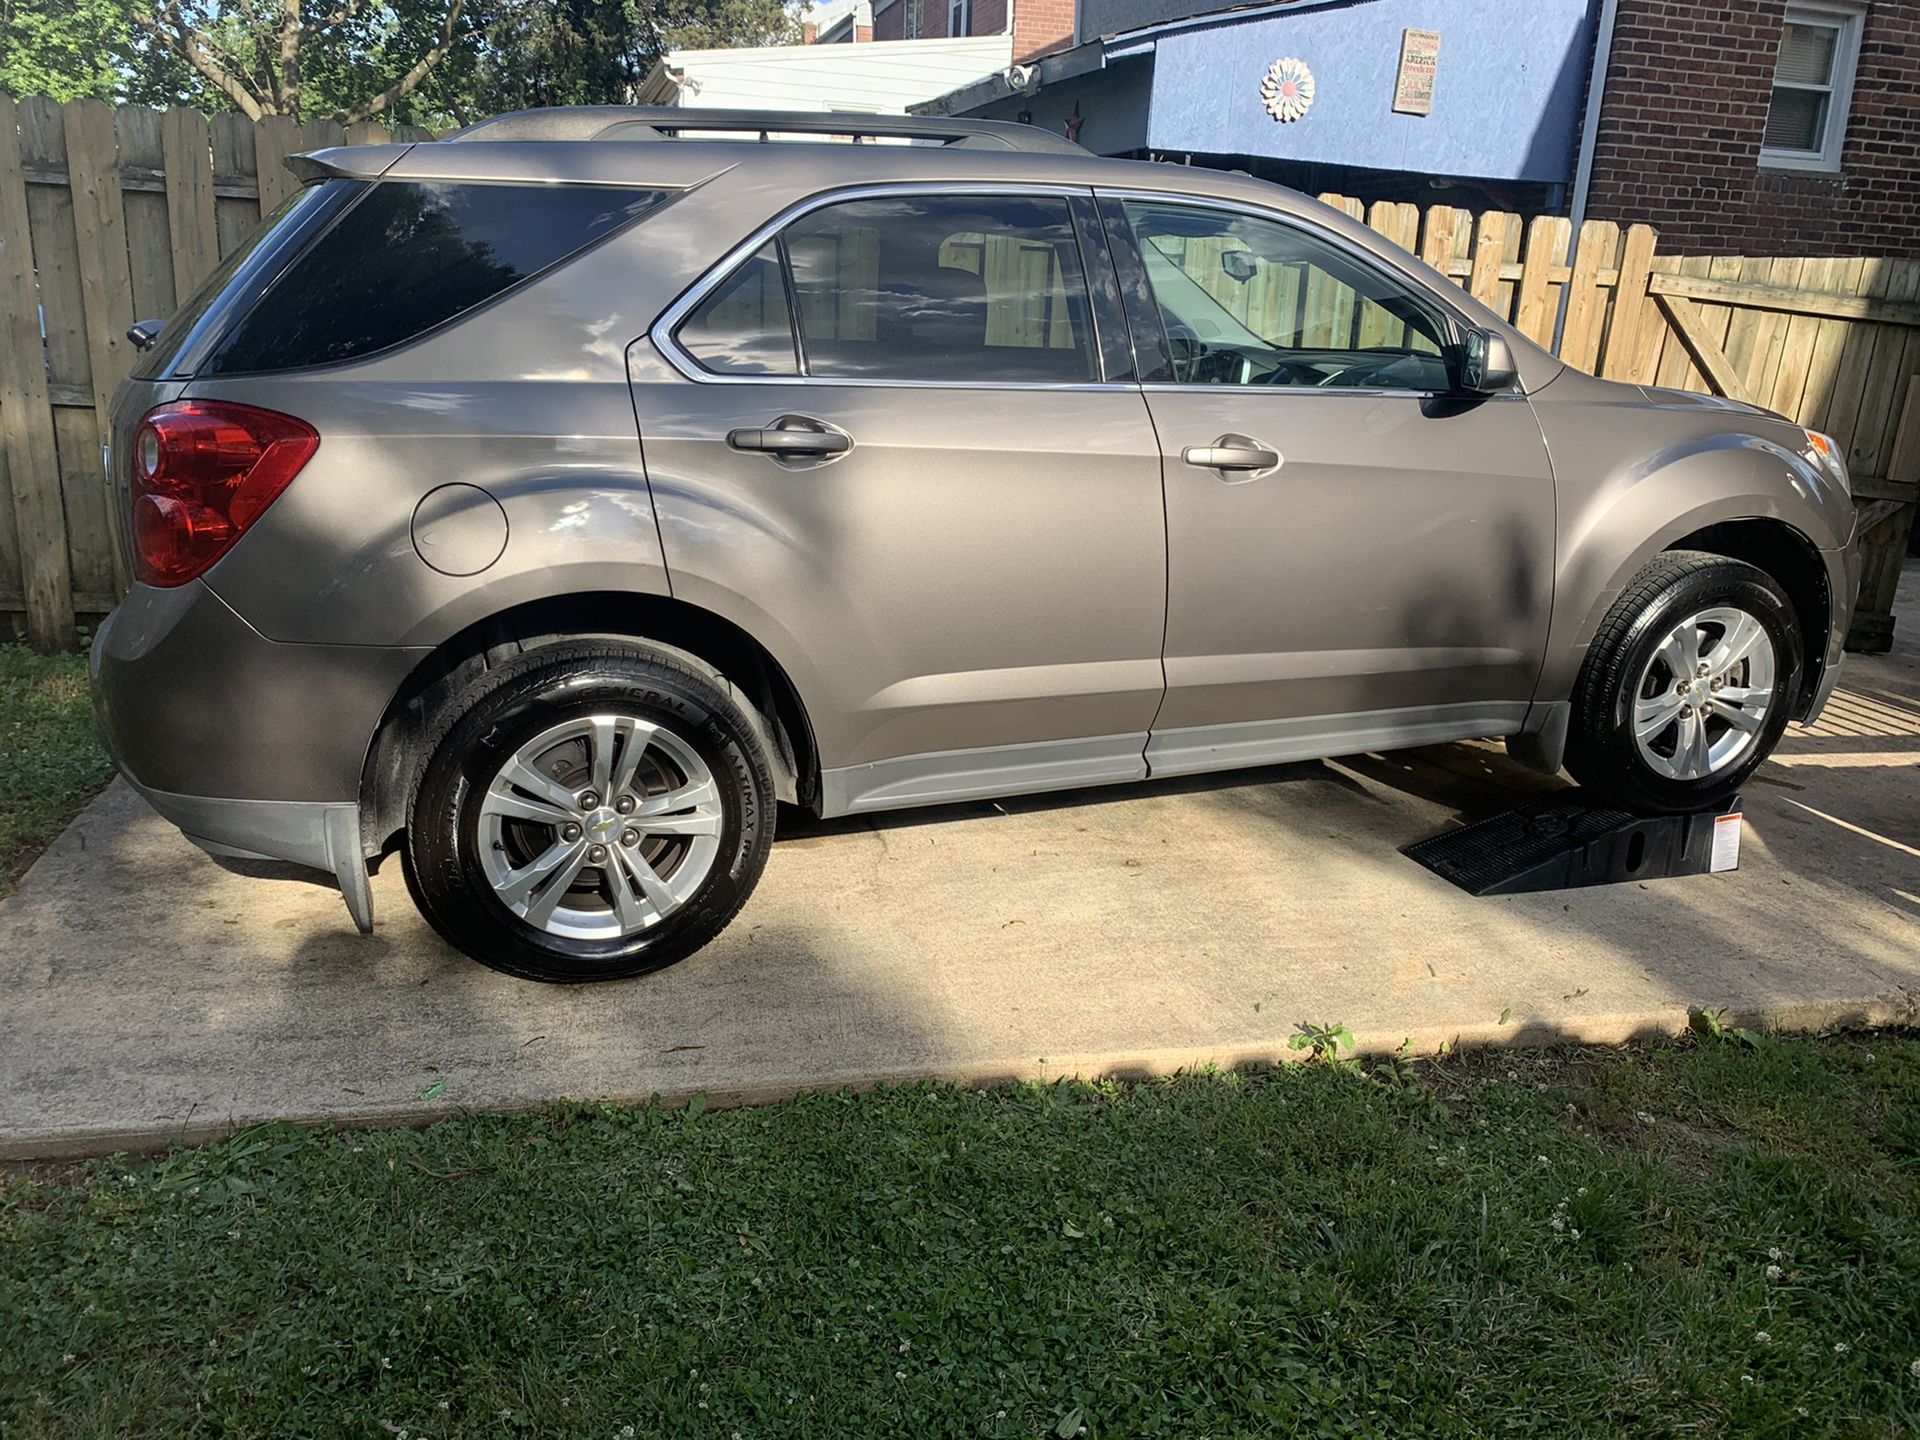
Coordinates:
(697, 1106)
(1506, 1015)
(1069, 1424)
(434, 1091)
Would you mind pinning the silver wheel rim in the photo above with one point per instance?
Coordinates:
(599, 828)
(1704, 696)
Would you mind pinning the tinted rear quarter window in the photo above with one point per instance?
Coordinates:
(410, 255)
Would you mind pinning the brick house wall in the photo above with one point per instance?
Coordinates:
(1688, 91)
(1039, 26)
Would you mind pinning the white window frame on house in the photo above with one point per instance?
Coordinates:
(959, 17)
(913, 20)
(1847, 22)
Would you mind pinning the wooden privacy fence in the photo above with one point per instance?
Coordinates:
(107, 216)
(112, 215)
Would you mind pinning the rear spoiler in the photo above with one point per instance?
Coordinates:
(346, 162)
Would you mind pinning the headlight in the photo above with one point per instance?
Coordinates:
(1824, 451)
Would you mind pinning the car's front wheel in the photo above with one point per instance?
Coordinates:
(1687, 685)
(591, 811)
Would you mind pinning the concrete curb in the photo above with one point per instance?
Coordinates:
(1895, 1008)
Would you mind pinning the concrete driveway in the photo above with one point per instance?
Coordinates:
(146, 996)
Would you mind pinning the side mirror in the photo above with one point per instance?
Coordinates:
(1239, 265)
(1486, 363)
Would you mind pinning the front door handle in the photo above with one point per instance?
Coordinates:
(791, 438)
(1232, 452)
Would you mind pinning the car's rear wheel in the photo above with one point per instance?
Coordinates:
(1687, 685)
(589, 812)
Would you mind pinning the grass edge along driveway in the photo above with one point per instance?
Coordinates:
(1713, 1237)
(51, 762)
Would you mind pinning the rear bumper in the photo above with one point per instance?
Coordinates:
(253, 748)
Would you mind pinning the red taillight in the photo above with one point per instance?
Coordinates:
(203, 471)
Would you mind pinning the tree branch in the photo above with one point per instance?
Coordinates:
(408, 82)
(340, 16)
(290, 56)
(172, 31)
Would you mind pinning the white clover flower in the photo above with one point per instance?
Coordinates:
(626, 1432)
(68, 1358)
(1914, 1369)
(899, 1374)
(1773, 1252)
(1841, 1347)
(1558, 1221)
(1773, 1272)
(1761, 1337)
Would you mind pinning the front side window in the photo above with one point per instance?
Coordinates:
(409, 255)
(1812, 87)
(1245, 300)
(908, 288)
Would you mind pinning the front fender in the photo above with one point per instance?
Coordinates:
(1708, 468)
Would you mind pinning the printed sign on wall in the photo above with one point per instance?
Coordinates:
(1419, 60)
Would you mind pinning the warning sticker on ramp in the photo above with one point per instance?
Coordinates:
(1726, 844)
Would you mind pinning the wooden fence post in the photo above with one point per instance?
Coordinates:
(1630, 304)
(189, 165)
(33, 467)
(1887, 509)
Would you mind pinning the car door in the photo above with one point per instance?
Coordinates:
(1357, 555)
(886, 444)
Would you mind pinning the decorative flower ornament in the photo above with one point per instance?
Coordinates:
(1288, 89)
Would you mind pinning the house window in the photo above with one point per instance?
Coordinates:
(959, 17)
(916, 25)
(1812, 87)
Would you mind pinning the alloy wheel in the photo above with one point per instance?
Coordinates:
(599, 827)
(1705, 694)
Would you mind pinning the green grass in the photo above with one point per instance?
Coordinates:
(1528, 1244)
(50, 761)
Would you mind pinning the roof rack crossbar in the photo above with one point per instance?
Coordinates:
(660, 122)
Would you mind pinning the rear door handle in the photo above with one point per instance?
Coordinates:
(791, 441)
(1232, 452)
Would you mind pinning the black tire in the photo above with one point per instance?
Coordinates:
(508, 708)
(1601, 751)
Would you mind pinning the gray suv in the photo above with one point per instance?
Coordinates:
(547, 504)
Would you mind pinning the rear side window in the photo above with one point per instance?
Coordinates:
(406, 256)
(983, 288)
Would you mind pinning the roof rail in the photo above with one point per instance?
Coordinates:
(661, 122)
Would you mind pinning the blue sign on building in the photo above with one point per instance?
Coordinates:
(1506, 95)
(1507, 92)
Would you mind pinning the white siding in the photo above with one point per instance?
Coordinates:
(883, 77)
